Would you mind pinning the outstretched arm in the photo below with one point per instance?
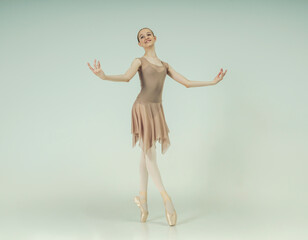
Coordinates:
(126, 77)
(188, 83)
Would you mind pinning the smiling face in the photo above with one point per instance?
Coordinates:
(146, 38)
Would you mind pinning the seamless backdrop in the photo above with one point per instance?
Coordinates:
(65, 134)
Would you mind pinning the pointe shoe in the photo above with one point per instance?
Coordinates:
(144, 213)
(171, 217)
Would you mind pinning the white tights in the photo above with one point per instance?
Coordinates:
(148, 165)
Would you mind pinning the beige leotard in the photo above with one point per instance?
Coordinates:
(148, 123)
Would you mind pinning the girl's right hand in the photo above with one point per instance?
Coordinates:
(97, 70)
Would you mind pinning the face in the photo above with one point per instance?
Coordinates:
(146, 38)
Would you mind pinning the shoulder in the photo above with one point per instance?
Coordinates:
(166, 64)
(167, 67)
(137, 62)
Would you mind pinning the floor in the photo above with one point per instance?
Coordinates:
(121, 221)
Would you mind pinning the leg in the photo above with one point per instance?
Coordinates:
(152, 167)
(141, 200)
(154, 172)
(143, 181)
(143, 174)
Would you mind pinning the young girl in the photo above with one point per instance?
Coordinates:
(148, 123)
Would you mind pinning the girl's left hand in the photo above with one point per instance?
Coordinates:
(220, 76)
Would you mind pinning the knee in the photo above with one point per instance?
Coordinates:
(151, 153)
(150, 157)
(143, 155)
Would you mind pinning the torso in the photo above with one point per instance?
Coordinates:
(152, 77)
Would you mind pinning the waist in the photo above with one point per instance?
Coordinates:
(138, 100)
(146, 98)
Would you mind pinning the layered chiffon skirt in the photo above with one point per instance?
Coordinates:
(148, 125)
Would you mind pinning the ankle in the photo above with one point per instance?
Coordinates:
(143, 196)
(165, 196)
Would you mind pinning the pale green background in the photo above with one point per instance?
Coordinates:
(239, 145)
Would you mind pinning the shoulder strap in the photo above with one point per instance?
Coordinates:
(166, 65)
(141, 60)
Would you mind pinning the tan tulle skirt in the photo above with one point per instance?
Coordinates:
(149, 125)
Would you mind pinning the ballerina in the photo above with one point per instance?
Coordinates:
(148, 122)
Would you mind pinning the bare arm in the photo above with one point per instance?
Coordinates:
(126, 77)
(189, 83)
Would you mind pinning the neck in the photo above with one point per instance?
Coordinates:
(150, 52)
